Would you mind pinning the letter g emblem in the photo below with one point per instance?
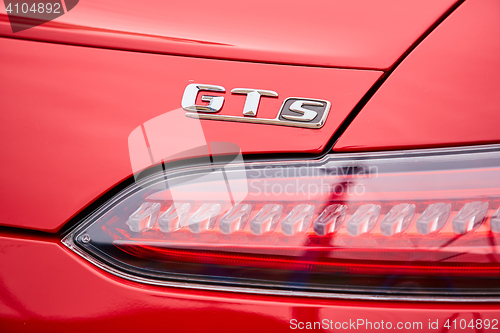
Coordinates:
(191, 92)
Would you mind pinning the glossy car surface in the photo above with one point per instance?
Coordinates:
(94, 96)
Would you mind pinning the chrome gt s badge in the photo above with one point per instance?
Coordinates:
(295, 111)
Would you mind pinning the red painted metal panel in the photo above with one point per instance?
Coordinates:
(355, 33)
(47, 288)
(445, 93)
(67, 113)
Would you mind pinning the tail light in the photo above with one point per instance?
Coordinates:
(403, 223)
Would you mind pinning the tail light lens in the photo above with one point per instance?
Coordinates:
(421, 222)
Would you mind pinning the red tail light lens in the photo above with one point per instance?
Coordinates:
(422, 222)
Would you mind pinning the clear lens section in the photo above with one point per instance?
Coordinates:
(412, 222)
(298, 220)
(470, 217)
(144, 218)
(397, 220)
(330, 220)
(174, 217)
(266, 219)
(433, 218)
(205, 217)
(235, 219)
(364, 220)
(495, 222)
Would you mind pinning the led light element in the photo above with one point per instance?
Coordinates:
(495, 221)
(298, 220)
(330, 220)
(204, 219)
(144, 218)
(341, 224)
(433, 218)
(470, 217)
(363, 220)
(174, 217)
(397, 220)
(267, 219)
(235, 219)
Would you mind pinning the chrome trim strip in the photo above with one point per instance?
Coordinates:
(275, 121)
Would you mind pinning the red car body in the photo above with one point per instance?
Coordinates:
(399, 75)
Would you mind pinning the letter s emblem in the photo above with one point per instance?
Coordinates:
(305, 114)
